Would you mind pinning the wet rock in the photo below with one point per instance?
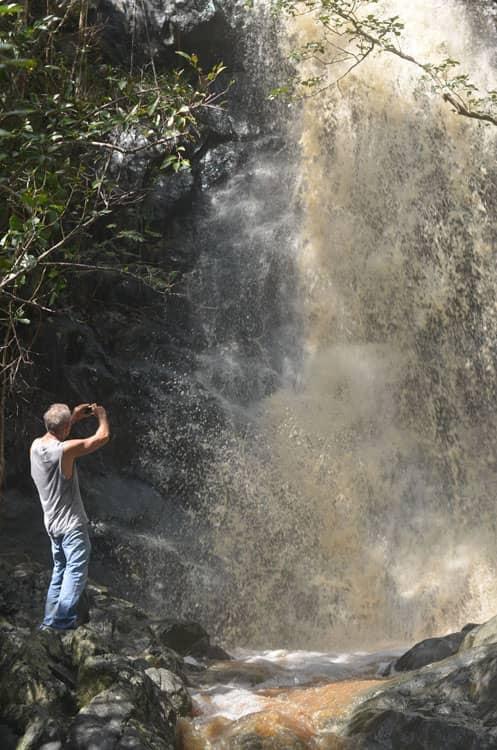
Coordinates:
(152, 28)
(428, 651)
(187, 14)
(183, 637)
(266, 731)
(84, 643)
(215, 653)
(162, 657)
(167, 192)
(480, 635)
(245, 675)
(99, 673)
(172, 688)
(128, 501)
(219, 163)
(8, 739)
(394, 729)
(108, 684)
(186, 638)
(162, 562)
(119, 623)
(219, 122)
(447, 705)
(35, 685)
(127, 715)
(23, 588)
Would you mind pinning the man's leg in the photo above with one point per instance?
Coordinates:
(76, 547)
(59, 565)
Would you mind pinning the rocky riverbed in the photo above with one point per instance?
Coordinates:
(127, 679)
(117, 681)
(425, 700)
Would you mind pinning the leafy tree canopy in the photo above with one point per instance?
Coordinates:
(347, 32)
(67, 120)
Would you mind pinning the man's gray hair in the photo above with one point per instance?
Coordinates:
(57, 417)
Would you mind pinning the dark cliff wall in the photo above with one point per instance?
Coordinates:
(114, 331)
(120, 343)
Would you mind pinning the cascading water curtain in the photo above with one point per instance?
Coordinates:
(358, 502)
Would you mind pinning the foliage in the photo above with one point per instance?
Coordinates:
(68, 122)
(349, 31)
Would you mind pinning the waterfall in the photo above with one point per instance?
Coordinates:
(348, 316)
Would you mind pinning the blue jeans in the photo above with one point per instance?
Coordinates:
(71, 555)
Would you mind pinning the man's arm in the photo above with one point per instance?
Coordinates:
(73, 449)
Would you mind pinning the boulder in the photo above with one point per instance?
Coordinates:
(187, 638)
(111, 683)
(183, 637)
(119, 623)
(127, 715)
(251, 733)
(399, 729)
(99, 673)
(428, 651)
(36, 681)
(23, 589)
(167, 191)
(84, 643)
(172, 688)
(162, 657)
(480, 635)
(449, 705)
(220, 162)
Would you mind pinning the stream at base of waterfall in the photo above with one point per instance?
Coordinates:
(280, 699)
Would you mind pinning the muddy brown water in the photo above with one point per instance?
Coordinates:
(244, 704)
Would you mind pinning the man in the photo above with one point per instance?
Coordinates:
(54, 473)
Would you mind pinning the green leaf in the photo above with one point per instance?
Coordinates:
(153, 107)
(184, 54)
(169, 161)
(15, 223)
(11, 9)
(17, 112)
(25, 63)
(130, 234)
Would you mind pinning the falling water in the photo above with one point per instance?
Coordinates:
(349, 321)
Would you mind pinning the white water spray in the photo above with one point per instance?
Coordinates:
(358, 504)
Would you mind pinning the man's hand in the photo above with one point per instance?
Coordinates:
(82, 412)
(99, 411)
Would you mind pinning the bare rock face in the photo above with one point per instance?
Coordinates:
(186, 14)
(152, 28)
